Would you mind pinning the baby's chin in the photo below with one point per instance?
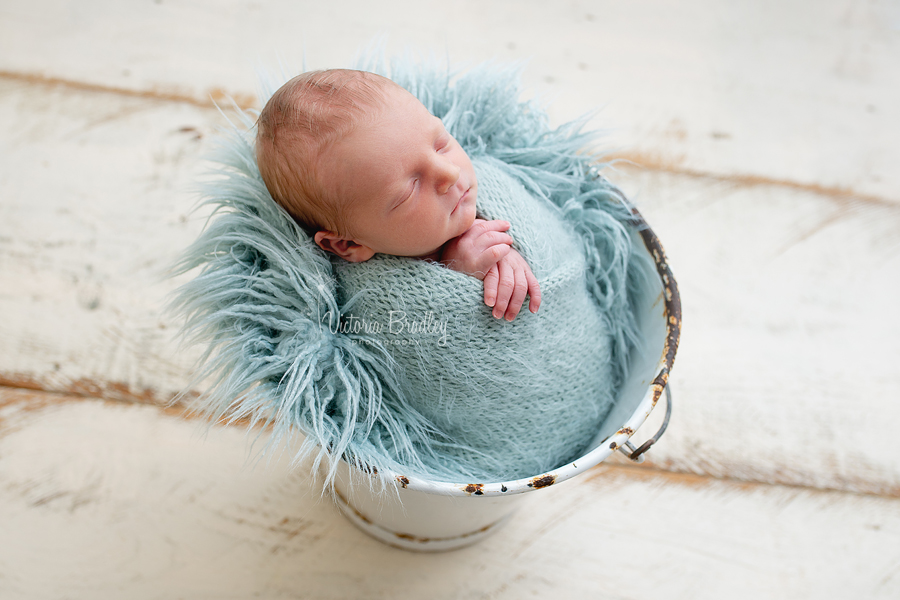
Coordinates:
(467, 219)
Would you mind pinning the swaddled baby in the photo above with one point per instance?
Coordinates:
(378, 181)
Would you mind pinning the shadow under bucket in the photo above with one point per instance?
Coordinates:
(430, 516)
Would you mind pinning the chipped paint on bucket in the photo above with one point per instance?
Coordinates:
(428, 515)
(418, 520)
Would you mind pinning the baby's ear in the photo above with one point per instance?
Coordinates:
(343, 247)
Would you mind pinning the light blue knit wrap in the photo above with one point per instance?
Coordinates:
(396, 363)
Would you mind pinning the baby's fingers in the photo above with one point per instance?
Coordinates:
(491, 257)
(534, 291)
(491, 279)
(520, 288)
(494, 225)
(504, 288)
(481, 228)
(492, 238)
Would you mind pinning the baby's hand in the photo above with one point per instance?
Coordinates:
(506, 285)
(478, 249)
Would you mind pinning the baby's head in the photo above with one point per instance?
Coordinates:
(359, 162)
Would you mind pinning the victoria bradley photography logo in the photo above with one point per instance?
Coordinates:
(406, 329)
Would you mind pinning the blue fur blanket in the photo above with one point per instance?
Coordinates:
(396, 363)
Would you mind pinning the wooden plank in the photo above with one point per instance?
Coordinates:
(786, 367)
(784, 91)
(96, 205)
(110, 500)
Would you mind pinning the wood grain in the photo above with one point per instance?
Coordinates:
(110, 500)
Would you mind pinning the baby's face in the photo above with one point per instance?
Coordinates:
(406, 186)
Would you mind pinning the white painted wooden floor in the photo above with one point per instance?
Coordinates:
(762, 139)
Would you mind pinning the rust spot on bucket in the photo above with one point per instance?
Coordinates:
(403, 479)
(474, 488)
(658, 388)
(670, 289)
(625, 430)
(542, 481)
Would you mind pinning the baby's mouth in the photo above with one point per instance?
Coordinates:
(461, 200)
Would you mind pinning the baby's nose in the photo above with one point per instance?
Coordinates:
(447, 176)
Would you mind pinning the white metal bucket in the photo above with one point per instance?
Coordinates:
(428, 515)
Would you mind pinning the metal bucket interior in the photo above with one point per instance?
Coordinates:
(427, 515)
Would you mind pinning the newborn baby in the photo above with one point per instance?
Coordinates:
(363, 166)
(377, 180)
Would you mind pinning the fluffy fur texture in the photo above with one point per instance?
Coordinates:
(291, 337)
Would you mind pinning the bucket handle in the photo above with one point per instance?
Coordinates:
(636, 454)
